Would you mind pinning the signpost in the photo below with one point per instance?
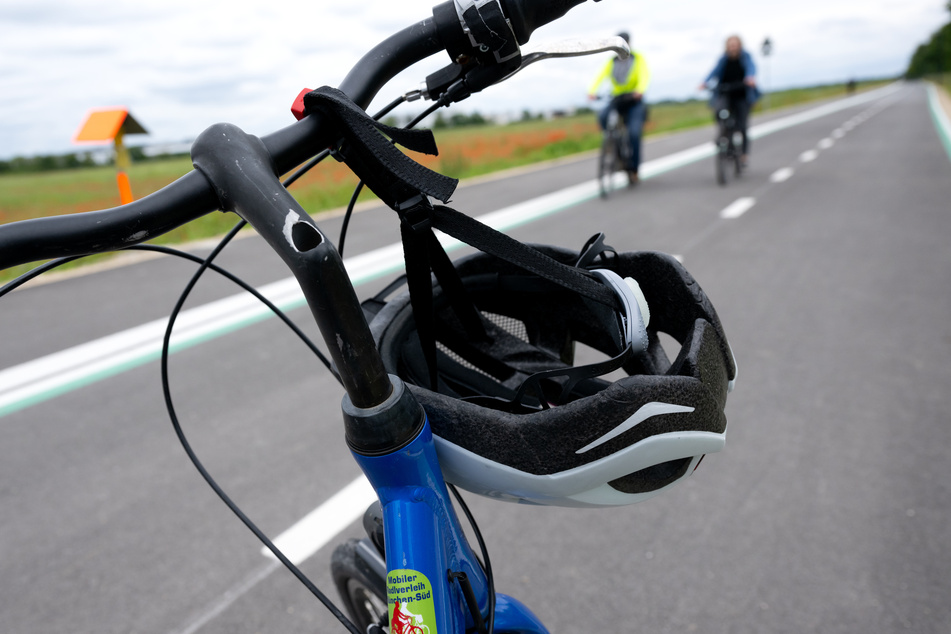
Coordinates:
(112, 124)
(767, 51)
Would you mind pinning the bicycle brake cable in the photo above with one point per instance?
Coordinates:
(34, 273)
(486, 563)
(347, 216)
(204, 265)
(176, 424)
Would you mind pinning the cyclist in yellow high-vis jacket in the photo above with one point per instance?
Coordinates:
(629, 80)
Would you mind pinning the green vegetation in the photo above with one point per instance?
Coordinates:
(468, 147)
(934, 57)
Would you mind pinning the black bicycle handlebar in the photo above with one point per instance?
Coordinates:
(528, 15)
(239, 172)
(192, 196)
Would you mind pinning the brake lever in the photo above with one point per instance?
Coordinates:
(455, 74)
(575, 47)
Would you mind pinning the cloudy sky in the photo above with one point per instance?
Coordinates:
(182, 65)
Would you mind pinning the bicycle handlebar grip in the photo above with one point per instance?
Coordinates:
(528, 15)
(239, 168)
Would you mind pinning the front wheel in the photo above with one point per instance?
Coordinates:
(721, 158)
(737, 140)
(362, 590)
(608, 164)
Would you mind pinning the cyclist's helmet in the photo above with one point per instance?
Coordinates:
(560, 400)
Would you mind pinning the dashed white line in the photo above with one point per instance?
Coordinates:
(826, 143)
(737, 208)
(781, 175)
(808, 156)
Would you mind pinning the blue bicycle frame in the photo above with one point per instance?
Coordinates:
(434, 582)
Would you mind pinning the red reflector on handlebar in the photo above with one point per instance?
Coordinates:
(298, 107)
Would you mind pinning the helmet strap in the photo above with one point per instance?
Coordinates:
(424, 256)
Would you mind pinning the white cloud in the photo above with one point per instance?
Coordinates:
(181, 65)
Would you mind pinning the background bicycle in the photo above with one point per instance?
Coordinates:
(730, 138)
(614, 156)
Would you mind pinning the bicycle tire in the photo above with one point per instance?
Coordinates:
(362, 591)
(607, 165)
(720, 161)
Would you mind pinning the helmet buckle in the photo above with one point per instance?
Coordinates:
(416, 213)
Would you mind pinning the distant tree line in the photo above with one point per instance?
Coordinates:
(46, 163)
(934, 57)
(458, 120)
(75, 160)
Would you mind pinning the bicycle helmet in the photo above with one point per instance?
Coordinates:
(515, 419)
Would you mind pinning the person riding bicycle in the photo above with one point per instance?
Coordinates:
(734, 79)
(629, 80)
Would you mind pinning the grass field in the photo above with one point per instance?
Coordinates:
(464, 153)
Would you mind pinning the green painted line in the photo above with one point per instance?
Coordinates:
(940, 119)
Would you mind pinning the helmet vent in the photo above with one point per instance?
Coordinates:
(457, 359)
(513, 326)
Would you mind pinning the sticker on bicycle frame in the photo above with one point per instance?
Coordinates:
(410, 598)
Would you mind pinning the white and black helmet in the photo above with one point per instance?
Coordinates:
(519, 414)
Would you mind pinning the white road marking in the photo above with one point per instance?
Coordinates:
(227, 598)
(808, 156)
(299, 542)
(826, 143)
(324, 523)
(781, 175)
(737, 208)
(769, 127)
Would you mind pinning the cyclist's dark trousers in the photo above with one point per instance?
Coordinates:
(633, 115)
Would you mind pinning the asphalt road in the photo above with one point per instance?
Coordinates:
(829, 510)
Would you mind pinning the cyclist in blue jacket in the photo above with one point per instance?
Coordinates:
(734, 77)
